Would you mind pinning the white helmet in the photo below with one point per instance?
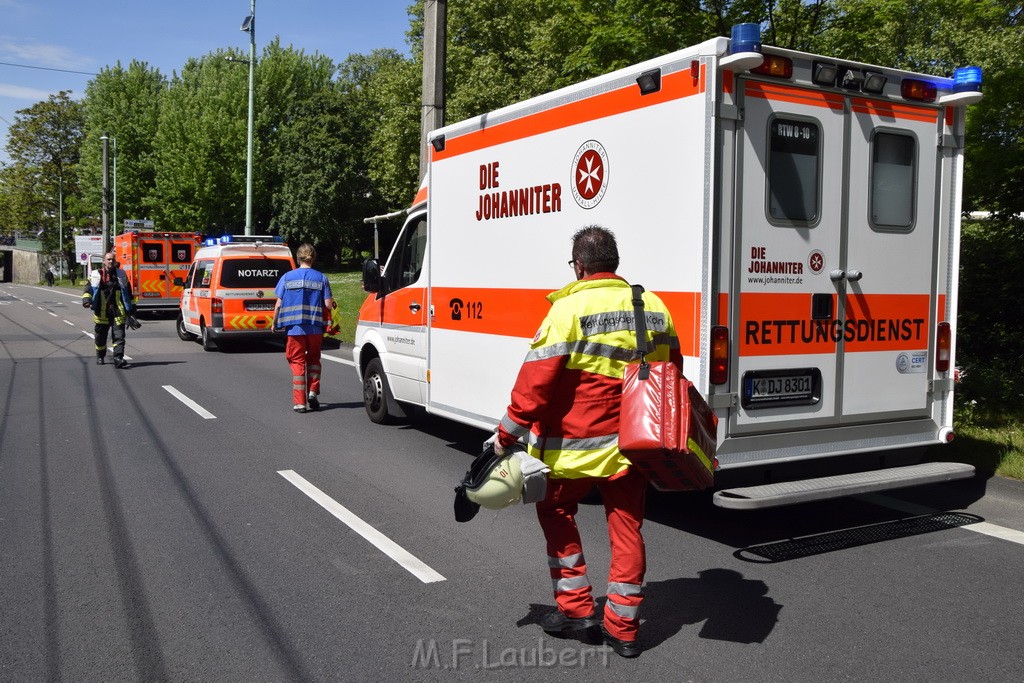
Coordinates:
(500, 485)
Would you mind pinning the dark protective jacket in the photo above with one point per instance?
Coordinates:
(111, 299)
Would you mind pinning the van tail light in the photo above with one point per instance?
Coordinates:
(217, 306)
(719, 354)
(943, 348)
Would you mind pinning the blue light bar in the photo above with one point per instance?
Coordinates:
(745, 38)
(224, 239)
(967, 79)
(210, 242)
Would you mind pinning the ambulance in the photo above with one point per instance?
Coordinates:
(228, 292)
(152, 261)
(799, 214)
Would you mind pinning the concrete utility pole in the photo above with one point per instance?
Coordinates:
(435, 38)
(248, 162)
(106, 193)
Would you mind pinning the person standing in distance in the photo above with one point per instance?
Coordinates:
(303, 295)
(109, 294)
(565, 405)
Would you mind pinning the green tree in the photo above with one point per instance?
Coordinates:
(44, 145)
(203, 133)
(124, 104)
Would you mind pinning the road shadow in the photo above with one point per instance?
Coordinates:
(733, 609)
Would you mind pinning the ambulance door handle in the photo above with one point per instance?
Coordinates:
(854, 275)
(414, 307)
(837, 275)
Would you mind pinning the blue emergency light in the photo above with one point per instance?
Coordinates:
(967, 79)
(745, 38)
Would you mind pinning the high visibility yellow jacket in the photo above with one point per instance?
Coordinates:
(565, 401)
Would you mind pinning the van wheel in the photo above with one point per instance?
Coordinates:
(376, 393)
(208, 344)
(183, 334)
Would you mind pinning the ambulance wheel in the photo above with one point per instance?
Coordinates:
(376, 393)
(183, 334)
(208, 344)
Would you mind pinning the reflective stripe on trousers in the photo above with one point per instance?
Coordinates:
(303, 354)
(623, 497)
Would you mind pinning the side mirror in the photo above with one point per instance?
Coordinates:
(371, 276)
(178, 282)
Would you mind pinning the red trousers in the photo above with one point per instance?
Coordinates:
(303, 354)
(623, 496)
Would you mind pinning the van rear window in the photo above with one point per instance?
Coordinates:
(253, 273)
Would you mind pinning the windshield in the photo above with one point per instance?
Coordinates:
(253, 273)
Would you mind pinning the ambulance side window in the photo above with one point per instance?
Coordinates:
(203, 274)
(893, 173)
(794, 172)
(189, 275)
(406, 261)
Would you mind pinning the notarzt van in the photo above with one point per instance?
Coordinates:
(799, 214)
(228, 293)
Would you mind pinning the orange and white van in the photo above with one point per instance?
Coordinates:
(152, 261)
(799, 214)
(228, 292)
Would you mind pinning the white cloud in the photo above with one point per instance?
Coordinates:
(41, 54)
(18, 92)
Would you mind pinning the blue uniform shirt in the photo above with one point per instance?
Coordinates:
(302, 293)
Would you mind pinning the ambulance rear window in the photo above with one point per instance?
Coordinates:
(253, 273)
(794, 171)
(181, 253)
(152, 252)
(892, 181)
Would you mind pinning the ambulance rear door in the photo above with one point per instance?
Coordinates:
(835, 271)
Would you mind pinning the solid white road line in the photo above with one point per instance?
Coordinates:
(986, 528)
(343, 361)
(396, 552)
(201, 411)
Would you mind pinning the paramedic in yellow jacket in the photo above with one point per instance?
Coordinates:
(565, 405)
(109, 294)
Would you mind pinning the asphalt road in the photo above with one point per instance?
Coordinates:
(146, 538)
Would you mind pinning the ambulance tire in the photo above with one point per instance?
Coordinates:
(183, 334)
(377, 393)
(208, 344)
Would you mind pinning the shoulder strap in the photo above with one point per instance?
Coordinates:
(643, 346)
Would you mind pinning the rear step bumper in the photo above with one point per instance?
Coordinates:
(787, 493)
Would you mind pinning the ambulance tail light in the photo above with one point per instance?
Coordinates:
(775, 66)
(719, 354)
(943, 347)
(217, 306)
(914, 89)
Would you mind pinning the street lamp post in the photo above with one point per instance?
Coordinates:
(60, 220)
(249, 25)
(114, 221)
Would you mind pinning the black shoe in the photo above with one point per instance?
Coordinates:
(314, 402)
(558, 622)
(99, 360)
(121, 364)
(623, 648)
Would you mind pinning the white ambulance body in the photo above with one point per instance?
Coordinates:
(804, 235)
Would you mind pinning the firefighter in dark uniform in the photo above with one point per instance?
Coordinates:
(109, 294)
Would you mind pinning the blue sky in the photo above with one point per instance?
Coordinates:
(47, 39)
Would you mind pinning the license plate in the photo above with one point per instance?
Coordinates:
(772, 388)
(259, 305)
